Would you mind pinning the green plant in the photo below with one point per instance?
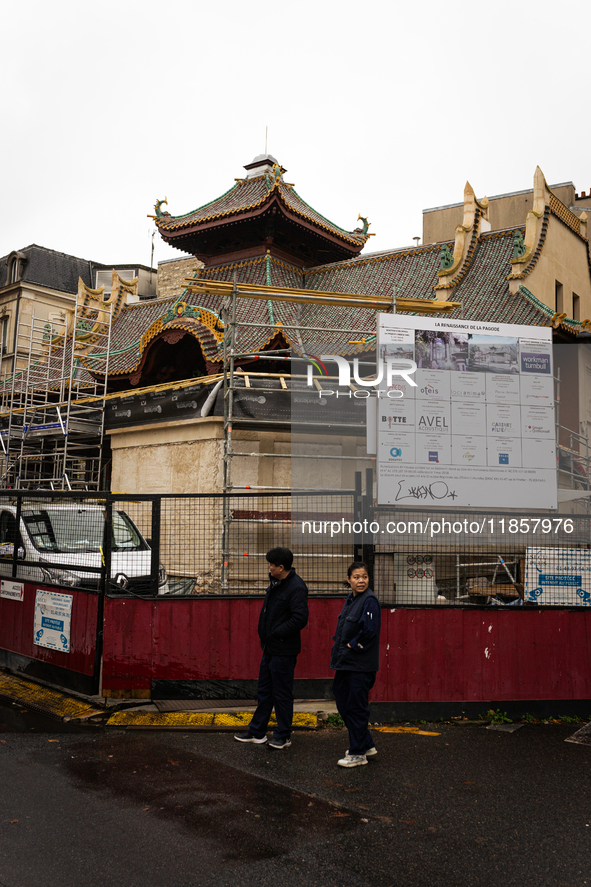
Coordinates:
(335, 720)
(565, 719)
(497, 717)
(528, 719)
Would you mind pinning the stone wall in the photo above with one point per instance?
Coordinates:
(186, 456)
(171, 275)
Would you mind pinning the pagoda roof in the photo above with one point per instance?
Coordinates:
(262, 192)
(483, 291)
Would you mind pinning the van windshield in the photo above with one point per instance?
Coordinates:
(80, 529)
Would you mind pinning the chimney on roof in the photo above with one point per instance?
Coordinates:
(261, 164)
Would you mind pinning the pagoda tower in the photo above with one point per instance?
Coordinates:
(260, 215)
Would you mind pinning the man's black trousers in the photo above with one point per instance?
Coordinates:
(274, 691)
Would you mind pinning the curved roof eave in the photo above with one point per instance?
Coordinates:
(188, 223)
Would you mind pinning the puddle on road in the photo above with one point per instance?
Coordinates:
(15, 718)
(236, 815)
(233, 815)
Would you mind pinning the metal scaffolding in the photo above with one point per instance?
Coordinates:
(52, 406)
(233, 353)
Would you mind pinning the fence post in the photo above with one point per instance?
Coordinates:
(17, 533)
(368, 546)
(155, 561)
(107, 543)
(102, 590)
(357, 518)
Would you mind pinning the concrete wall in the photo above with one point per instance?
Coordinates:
(505, 211)
(563, 259)
(49, 306)
(187, 457)
(179, 457)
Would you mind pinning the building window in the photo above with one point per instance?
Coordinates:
(576, 307)
(15, 262)
(4, 334)
(104, 278)
(15, 271)
(558, 296)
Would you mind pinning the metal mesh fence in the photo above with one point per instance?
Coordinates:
(55, 539)
(216, 545)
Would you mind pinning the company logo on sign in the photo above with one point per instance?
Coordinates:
(429, 389)
(396, 452)
(535, 363)
(432, 422)
(500, 427)
(537, 429)
(433, 456)
(468, 456)
(503, 458)
(393, 366)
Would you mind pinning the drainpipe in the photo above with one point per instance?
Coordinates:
(206, 408)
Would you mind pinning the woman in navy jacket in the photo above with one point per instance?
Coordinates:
(355, 658)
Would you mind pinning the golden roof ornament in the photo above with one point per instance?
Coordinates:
(157, 209)
(363, 231)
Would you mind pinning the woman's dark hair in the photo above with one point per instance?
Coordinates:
(357, 565)
(280, 557)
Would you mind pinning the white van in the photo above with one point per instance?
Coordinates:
(73, 534)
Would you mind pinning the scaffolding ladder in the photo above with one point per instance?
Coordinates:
(52, 406)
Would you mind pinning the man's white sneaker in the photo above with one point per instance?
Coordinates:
(352, 761)
(248, 737)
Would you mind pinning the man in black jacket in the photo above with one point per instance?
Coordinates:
(284, 614)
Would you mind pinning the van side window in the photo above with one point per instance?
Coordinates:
(8, 529)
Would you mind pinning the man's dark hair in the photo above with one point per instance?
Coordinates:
(280, 557)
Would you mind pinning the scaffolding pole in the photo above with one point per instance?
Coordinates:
(52, 422)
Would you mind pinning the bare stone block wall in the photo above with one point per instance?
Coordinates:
(171, 276)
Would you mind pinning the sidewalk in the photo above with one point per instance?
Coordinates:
(184, 714)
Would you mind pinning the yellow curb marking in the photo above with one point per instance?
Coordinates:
(197, 719)
(44, 699)
(415, 730)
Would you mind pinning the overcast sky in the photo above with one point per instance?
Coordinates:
(383, 108)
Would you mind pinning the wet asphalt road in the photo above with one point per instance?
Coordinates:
(467, 807)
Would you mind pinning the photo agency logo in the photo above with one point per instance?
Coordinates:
(390, 370)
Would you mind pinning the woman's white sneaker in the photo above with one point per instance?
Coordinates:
(369, 752)
(352, 761)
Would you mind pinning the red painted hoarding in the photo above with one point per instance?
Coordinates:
(17, 618)
(426, 655)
